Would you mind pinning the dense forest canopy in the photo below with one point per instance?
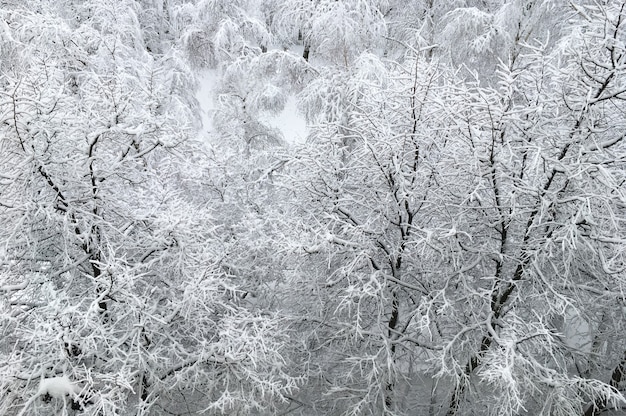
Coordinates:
(449, 240)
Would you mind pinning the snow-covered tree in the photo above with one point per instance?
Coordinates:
(464, 243)
(112, 291)
(216, 31)
(333, 32)
(448, 241)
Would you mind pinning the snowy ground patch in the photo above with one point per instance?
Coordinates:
(207, 80)
(290, 122)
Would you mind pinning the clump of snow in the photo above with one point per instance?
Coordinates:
(57, 387)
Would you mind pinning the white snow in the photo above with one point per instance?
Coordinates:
(12, 288)
(205, 95)
(57, 387)
(577, 331)
(290, 122)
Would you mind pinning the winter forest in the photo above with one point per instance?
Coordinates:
(447, 237)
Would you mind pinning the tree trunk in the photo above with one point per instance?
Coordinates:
(600, 404)
(305, 54)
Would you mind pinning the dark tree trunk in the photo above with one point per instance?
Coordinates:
(600, 404)
(305, 54)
